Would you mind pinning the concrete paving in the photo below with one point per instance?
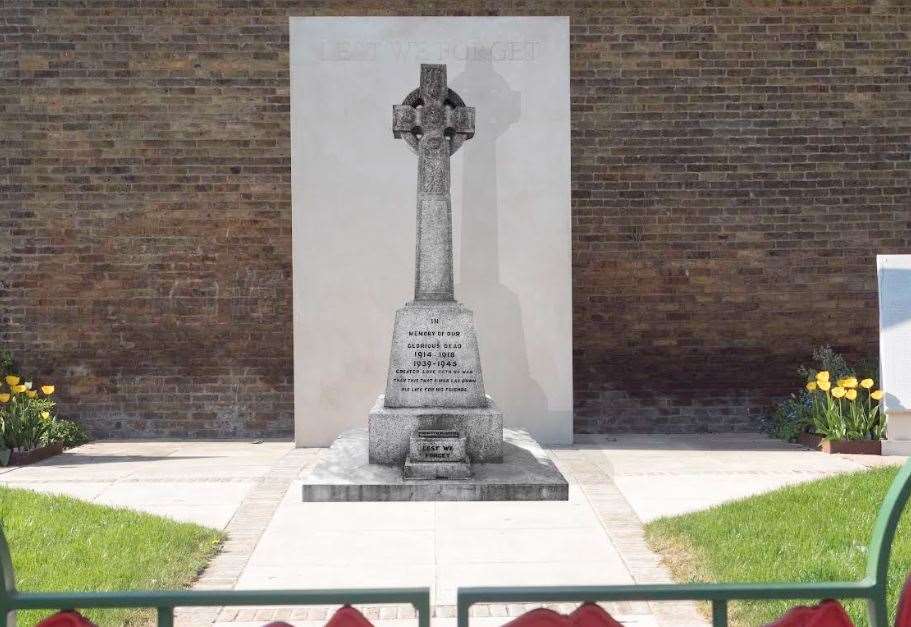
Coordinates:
(201, 482)
(277, 541)
(670, 475)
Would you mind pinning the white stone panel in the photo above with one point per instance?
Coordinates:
(894, 273)
(353, 205)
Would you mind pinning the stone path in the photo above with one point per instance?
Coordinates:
(276, 541)
(244, 531)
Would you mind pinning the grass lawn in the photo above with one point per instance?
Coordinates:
(817, 531)
(62, 544)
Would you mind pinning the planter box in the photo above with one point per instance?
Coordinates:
(850, 447)
(19, 458)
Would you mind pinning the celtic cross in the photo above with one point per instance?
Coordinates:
(434, 122)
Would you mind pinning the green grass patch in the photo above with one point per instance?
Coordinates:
(816, 531)
(62, 544)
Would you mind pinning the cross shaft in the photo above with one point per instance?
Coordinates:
(434, 121)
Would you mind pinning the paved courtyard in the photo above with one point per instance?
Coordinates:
(276, 541)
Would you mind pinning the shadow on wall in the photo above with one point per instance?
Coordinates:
(498, 312)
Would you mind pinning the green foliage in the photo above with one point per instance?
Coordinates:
(791, 417)
(27, 414)
(60, 543)
(28, 417)
(816, 531)
(825, 407)
(838, 417)
(26, 422)
(826, 359)
(67, 432)
(6, 362)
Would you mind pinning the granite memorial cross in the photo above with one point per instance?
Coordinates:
(434, 121)
(434, 381)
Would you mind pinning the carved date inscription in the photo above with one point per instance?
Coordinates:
(438, 361)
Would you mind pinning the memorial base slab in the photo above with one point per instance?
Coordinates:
(345, 474)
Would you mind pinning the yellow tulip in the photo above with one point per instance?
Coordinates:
(838, 391)
(45, 415)
(851, 394)
(866, 383)
(823, 384)
(811, 386)
(18, 389)
(822, 375)
(31, 393)
(850, 382)
(4, 398)
(47, 389)
(840, 382)
(877, 395)
(12, 380)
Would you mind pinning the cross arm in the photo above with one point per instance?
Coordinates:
(461, 120)
(404, 120)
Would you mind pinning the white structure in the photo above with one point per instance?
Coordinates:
(894, 272)
(354, 214)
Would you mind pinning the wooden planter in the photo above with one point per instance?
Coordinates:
(851, 447)
(22, 458)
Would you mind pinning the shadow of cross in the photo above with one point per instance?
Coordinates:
(434, 122)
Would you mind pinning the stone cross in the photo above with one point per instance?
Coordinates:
(434, 121)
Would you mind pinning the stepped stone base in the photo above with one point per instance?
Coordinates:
(345, 474)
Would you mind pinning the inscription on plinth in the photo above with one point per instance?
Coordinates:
(434, 361)
(437, 454)
(435, 445)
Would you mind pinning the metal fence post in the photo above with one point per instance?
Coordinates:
(422, 605)
(165, 616)
(719, 613)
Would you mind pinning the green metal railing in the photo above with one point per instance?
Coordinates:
(165, 602)
(872, 587)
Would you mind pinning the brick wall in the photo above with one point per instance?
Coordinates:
(736, 166)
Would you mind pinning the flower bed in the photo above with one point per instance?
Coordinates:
(849, 447)
(838, 411)
(847, 411)
(30, 429)
(22, 458)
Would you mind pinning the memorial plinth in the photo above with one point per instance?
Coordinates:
(391, 428)
(434, 382)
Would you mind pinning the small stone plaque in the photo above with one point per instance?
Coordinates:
(434, 445)
(391, 430)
